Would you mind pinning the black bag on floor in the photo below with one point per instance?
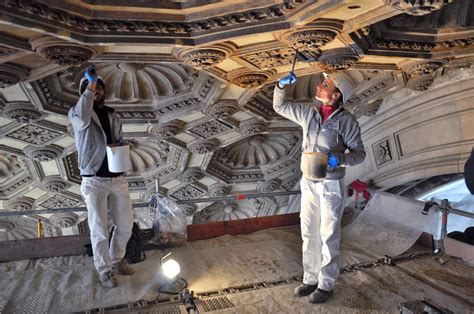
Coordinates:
(134, 252)
(469, 172)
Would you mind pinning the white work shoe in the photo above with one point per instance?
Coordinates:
(122, 268)
(108, 280)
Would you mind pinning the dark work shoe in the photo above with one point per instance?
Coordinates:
(320, 296)
(304, 290)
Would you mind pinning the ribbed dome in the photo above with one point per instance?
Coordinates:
(256, 150)
(147, 155)
(137, 82)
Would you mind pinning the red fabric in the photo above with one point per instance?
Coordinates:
(326, 111)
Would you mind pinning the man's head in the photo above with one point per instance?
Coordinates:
(99, 89)
(336, 86)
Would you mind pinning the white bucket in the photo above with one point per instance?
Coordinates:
(314, 165)
(118, 158)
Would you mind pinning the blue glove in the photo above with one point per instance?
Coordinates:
(333, 161)
(289, 79)
(90, 74)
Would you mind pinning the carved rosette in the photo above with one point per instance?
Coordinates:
(205, 57)
(54, 184)
(191, 175)
(314, 35)
(189, 209)
(252, 126)
(11, 74)
(22, 112)
(338, 59)
(61, 52)
(167, 130)
(222, 109)
(250, 79)
(203, 146)
(21, 203)
(64, 220)
(417, 7)
(268, 186)
(43, 153)
(217, 190)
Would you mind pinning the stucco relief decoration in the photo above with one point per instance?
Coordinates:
(250, 79)
(222, 109)
(60, 201)
(134, 82)
(314, 35)
(21, 203)
(266, 206)
(421, 74)
(168, 129)
(64, 220)
(224, 211)
(22, 112)
(10, 165)
(147, 155)
(252, 126)
(218, 189)
(34, 134)
(418, 7)
(256, 150)
(61, 52)
(43, 153)
(203, 146)
(191, 175)
(270, 58)
(268, 186)
(382, 152)
(54, 184)
(369, 109)
(187, 192)
(338, 59)
(11, 74)
(210, 128)
(207, 56)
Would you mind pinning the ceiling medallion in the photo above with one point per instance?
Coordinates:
(167, 130)
(250, 79)
(64, 220)
(11, 74)
(203, 146)
(22, 112)
(43, 153)
(417, 7)
(222, 109)
(62, 52)
(21, 203)
(338, 59)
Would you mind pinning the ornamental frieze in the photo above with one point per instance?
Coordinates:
(210, 128)
(207, 56)
(11, 74)
(421, 67)
(418, 7)
(60, 201)
(250, 79)
(34, 134)
(61, 52)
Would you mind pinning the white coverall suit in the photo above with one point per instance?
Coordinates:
(102, 194)
(322, 201)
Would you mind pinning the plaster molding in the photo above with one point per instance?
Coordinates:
(61, 52)
(12, 74)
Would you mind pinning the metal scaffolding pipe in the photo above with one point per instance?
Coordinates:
(139, 205)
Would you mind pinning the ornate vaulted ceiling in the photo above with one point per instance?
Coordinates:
(192, 82)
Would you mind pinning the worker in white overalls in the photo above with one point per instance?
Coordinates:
(105, 193)
(330, 129)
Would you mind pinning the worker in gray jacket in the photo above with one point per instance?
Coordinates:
(330, 129)
(105, 193)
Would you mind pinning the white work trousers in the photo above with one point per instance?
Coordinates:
(104, 196)
(321, 213)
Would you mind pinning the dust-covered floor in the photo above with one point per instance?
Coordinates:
(266, 263)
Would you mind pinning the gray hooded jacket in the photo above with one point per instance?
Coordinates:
(91, 141)
(340, 131)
